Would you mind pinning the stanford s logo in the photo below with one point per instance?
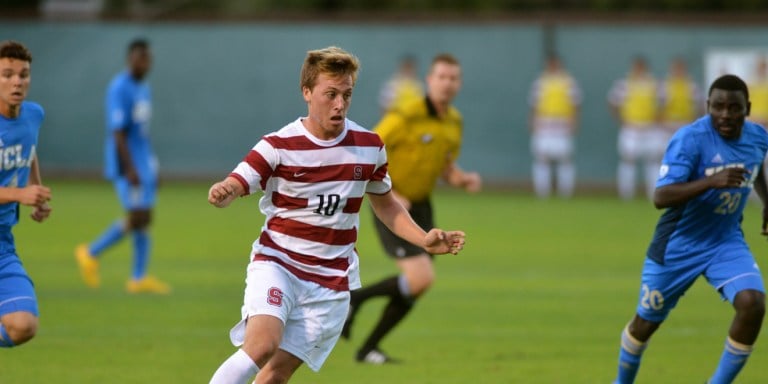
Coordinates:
(275, 297)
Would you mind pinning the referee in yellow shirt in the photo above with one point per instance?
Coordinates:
(422, 139)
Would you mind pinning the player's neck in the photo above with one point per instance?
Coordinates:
(319, 132)
(10, 111)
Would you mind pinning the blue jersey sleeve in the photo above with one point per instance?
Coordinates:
(680, 160)
(118, 108)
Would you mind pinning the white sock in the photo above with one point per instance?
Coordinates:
(541, 178)
(566, 178)
(238, 369)
(626, 180)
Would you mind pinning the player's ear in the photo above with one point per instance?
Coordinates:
(307, 93)
(749, 108)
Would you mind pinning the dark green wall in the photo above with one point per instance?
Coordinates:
(219, 87)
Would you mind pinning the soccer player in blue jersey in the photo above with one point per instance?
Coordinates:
(131, 165)
(708, 171)
(20, 183)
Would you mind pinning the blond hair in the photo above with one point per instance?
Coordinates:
(333, 61)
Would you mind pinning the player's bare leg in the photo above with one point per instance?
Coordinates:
(279, 369)
(263, 334)
(634, 339)
(419, 273)
(19, 327)
(745, 327)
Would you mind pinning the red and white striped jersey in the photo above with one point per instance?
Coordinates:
(313, 190)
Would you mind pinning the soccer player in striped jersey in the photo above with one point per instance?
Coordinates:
(555, 99)
(20, 183)
(314, 173)
(634, 102)
(709, 169)
(131, 165)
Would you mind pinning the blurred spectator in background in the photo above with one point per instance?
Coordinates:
(403, 87)
(634, 102)
(555, 99)
(131, 165)
(758, 92)
(681, 98)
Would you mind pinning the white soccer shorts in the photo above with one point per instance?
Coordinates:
(551, 140)
(313, 315)
(647, 143)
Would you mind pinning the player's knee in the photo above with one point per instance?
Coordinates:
(421, 282)
(21, 331)
(139, 220)
(750, 303)
(261, 351)
(642, 329)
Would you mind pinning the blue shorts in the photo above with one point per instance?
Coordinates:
(17, 293)
(729, 268)
(134, 197)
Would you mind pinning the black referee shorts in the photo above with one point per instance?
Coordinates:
(398, 248)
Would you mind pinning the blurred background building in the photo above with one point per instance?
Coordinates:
(226, 72)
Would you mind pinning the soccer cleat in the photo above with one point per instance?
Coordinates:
(147, 284)
(89, 266)
(375, 357)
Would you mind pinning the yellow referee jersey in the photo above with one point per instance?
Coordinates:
(419, 146)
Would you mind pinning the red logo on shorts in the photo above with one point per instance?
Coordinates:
(275, 297)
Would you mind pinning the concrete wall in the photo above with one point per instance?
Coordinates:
(219, 87)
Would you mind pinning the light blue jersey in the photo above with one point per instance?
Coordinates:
(18, 140)
(128, 109)
(702, 237)
(714, 217)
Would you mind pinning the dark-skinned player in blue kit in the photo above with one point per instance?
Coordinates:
(709, 169)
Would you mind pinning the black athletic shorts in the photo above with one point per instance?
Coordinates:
(397, 247)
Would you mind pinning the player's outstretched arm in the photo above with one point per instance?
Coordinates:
(221, 194)
(397, 219)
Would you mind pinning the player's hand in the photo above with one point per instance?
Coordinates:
(220, 194)
(472, 182)
(439, 242)
(729, 178)
(34, 195)
(41, 212)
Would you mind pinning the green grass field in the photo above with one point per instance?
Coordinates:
(539, 295)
